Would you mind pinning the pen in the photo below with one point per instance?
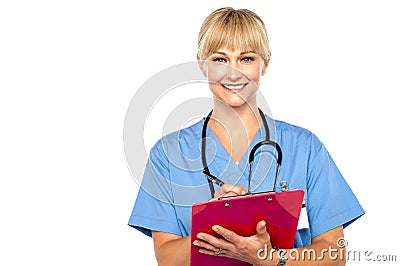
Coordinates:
(212, 178)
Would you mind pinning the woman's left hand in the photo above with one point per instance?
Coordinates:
(249, 249)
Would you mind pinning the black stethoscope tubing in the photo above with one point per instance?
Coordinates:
(213, 179)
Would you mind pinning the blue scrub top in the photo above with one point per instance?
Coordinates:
(173, 181)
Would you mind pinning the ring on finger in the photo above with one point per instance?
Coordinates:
(219, 251)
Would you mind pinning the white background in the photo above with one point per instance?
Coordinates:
(68, 70)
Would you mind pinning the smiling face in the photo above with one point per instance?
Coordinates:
(233, 53)
(234, 76)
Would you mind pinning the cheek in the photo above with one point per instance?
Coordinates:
(215, 72)
(254, 74)
(214, 88)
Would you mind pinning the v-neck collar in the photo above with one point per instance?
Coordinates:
(223, 164)
(260, 135)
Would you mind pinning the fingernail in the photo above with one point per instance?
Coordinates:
(200, 236)
(196, 243)
(215, 228)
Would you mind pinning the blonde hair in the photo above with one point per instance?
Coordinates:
(234, 29)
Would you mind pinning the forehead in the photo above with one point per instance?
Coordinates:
(233, 49)
(233, 40)
(236, 51)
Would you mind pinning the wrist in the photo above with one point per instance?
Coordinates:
(281, 257)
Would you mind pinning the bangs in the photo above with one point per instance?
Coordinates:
(235, 30)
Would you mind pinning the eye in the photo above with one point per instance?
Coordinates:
(219, 60)
(247, 59)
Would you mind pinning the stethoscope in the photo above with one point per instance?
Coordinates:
(213, 179)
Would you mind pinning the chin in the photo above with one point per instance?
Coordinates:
(239, 101)
(234, 103)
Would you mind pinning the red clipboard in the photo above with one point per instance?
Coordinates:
(280, 211)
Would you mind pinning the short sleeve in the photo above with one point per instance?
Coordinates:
(330, 200)
(154, 208)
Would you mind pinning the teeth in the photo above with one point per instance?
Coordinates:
(234, 87)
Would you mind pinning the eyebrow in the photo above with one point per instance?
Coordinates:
(242, 53)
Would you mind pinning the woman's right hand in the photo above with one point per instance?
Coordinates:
(227, 190)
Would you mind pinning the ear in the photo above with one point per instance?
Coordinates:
(202, 66)
(264, 67)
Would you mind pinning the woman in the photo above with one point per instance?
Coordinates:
(233, 54)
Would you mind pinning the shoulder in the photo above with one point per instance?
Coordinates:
(287, 129)
(185, 140)
(296, 136)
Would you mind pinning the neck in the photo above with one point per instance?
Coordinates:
(233, 118)
(235, 127)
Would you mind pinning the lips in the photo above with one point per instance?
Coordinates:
(234, 87)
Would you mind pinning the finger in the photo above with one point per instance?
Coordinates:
(212, 253)
(223, 193)
(230, 194)
(214, 241)
(239, 190)
(227, 234)
(204, 245)
(230, 190)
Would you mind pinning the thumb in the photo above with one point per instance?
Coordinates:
(261, 229)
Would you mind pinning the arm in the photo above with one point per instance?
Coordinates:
(171, 249)
(323, 249)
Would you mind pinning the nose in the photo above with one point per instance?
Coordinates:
(233, 74)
